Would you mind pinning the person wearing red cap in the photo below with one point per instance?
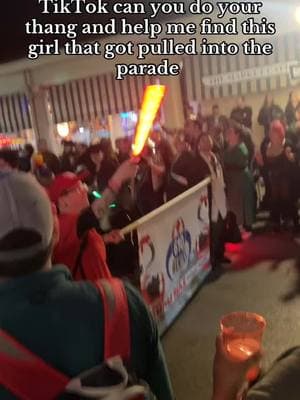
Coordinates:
(52, 328)
(68, 193)
(80, 247)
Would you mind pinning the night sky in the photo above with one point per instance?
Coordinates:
(14, 15)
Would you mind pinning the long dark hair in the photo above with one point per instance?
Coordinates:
(196, 152)
(244, 136)
(236, 127)
(266, 100)
(166, 153)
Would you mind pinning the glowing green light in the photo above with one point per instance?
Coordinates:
(96, 195)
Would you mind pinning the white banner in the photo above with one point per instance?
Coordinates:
(174, 254)
(262, 72)
(294, 73)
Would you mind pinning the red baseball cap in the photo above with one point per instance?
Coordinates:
(60, 184)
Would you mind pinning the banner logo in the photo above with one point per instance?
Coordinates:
(179, 251)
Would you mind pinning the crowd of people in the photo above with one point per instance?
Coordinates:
(215, 145)
(68, 210)
(276, 160)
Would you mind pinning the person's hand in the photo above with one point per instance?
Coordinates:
(113, 237)
(229, 374)
(99, 208)
(126, 171)
(259, 158)
(289, 154)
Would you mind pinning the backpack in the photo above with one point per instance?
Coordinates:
(28, 377)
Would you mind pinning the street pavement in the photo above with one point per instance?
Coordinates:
(189, 343)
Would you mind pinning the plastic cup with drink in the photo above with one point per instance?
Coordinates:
(242, 334)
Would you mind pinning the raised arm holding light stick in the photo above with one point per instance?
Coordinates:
(152, 100)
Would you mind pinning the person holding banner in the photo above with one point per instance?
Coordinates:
(78, 221)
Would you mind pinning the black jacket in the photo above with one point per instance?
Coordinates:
(242, 116)
(269, 114)
(194, 169)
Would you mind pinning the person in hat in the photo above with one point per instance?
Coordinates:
(78, 223)
(41, 307)
(50, 159)
(41, 171)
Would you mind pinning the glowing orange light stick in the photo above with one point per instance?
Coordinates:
(152, 99)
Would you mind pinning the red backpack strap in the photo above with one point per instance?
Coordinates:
(91, 260)
(94, 258)
(25, 375)
(117, 339)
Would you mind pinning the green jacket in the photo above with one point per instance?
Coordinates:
(62, 322)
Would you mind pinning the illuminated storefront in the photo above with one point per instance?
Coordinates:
(15, 120)
(86, 110)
